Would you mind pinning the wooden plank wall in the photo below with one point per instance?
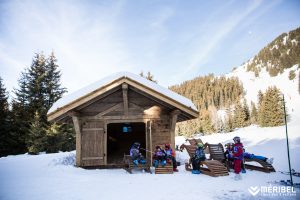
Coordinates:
(92, 143)
(111, 108)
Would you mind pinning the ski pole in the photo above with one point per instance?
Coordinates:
(147, 150)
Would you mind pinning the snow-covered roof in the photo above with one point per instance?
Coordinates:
(68, 99)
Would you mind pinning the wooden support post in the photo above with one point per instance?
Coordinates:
(173, 119)
(125, 98)
(76, 122)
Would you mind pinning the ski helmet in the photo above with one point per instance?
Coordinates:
(237, 139)
(136, 144)
(167, 146)
(200, 145)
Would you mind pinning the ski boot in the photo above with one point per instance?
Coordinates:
(270, 160)
(237, 177)
(135, 162)
(155, 163)
(143, 161)
(163, 163)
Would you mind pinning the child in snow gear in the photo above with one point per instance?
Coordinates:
(136, 155)
(228, 152)
(238, 156)
(170, 156)
(230, 158)
(159, 157)
(197, 158)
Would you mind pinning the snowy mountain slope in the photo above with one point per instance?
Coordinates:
(288, 87)
(271, 67)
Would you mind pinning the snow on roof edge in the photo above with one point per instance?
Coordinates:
(69, 98)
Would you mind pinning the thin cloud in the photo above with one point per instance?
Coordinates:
(203, 53)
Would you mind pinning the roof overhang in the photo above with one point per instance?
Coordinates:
(59, 112)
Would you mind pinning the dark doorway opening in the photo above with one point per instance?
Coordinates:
(120, 137)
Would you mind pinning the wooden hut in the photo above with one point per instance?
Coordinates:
(118, 110)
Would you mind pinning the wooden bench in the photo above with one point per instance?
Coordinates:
(209, 167)
(129, 165)
(167, 169)
(217, 153)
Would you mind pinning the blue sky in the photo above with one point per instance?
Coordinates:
(176, 40)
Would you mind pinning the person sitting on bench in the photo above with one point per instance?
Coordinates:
(197, 158)
(170, 156)
(228, 155)
(135, 154)
(159, 157)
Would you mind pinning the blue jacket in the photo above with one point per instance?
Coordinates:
(134, 152)
(199, 154)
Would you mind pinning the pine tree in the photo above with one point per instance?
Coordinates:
(53, 91)
(206, 125)
(261, 109)
(68, 137)
(260, 97)
(273, 107)
(39, 88)
(20, 114)
(292, 75)
(239, 116)
(60, 137)
(270, 112)
(36, 141)
(247, 113)
(5, 139)
(253, 114)
(229, 125)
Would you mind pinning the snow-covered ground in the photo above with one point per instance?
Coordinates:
(54, 176)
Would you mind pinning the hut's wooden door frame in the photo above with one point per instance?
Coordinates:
(147, 132)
